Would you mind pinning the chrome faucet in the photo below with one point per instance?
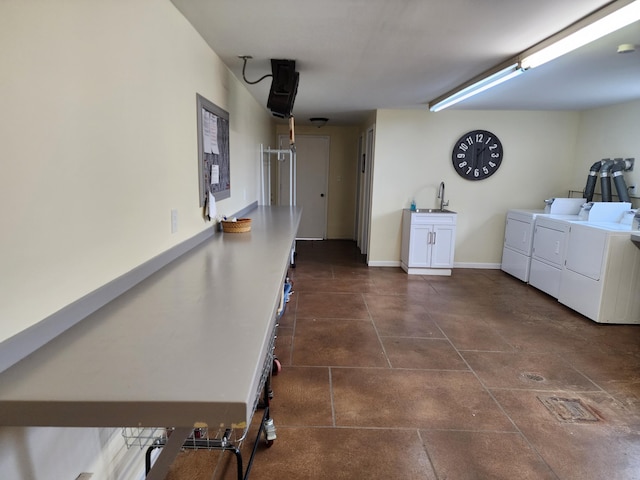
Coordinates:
(441, 197)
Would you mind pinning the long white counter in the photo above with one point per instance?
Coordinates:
(184, 347)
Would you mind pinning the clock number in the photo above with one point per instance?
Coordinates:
(463, 147)
(462, 164)
(479, 137)
(492, 165)
(470, 168)
(470, 140)
(493, 147)
(495, 155)
(488, 140)
(461, 155)
(485, 170)
(476, 173)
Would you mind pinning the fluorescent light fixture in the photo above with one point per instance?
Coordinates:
(480, 86)
(608, 19)
(614, 21)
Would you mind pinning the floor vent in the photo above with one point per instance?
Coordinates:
(572, 410)
(536, 377)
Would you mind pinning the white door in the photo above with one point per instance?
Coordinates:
(311, 172)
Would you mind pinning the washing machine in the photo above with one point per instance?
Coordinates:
(601, 274)
(518, 237)
(519, 230)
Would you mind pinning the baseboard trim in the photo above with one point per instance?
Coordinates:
(383, 263)
(391, 263)
(486, 266)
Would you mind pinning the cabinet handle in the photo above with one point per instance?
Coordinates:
(434, 238)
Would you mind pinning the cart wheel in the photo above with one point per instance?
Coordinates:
(277, 366)
(269, 432)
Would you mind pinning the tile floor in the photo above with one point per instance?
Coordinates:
(468, 377)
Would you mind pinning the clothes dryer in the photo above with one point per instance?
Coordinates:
(518, 237)
(601, 274)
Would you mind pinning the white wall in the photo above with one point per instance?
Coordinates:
(98, 139)
(610, 132)
(413, 155)
(97, 146)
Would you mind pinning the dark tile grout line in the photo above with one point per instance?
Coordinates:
(375, 329)
(331, 396)
(549, 316)
(484, 386)
(391, 367)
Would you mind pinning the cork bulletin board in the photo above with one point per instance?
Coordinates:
(213, 151)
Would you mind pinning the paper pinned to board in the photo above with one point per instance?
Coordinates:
(215, 174)
(209, 132)
(212, 210)
(206, 131)
(213, 134)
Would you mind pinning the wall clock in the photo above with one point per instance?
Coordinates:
(477, 155)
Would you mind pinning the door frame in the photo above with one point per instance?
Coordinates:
(366, 168)
(358, 213)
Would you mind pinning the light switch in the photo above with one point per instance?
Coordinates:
(174, 221)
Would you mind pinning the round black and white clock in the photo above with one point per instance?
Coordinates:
(477, 155)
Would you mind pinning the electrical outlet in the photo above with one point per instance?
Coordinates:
(174, 221)
(630, 162)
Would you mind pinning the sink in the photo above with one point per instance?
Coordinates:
(433, 210)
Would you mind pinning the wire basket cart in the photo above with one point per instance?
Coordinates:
(223, 439)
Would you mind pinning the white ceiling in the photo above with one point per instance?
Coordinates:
(355, 56)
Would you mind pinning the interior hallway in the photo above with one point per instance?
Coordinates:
(473, 376)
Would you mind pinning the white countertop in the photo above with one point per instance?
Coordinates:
(186, 345)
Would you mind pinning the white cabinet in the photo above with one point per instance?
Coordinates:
(428, 242)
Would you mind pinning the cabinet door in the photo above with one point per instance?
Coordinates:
(517, 235)
(419, 246)
(442, 248)
(549, 245)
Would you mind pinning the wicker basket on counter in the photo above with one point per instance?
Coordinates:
(241, 225)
